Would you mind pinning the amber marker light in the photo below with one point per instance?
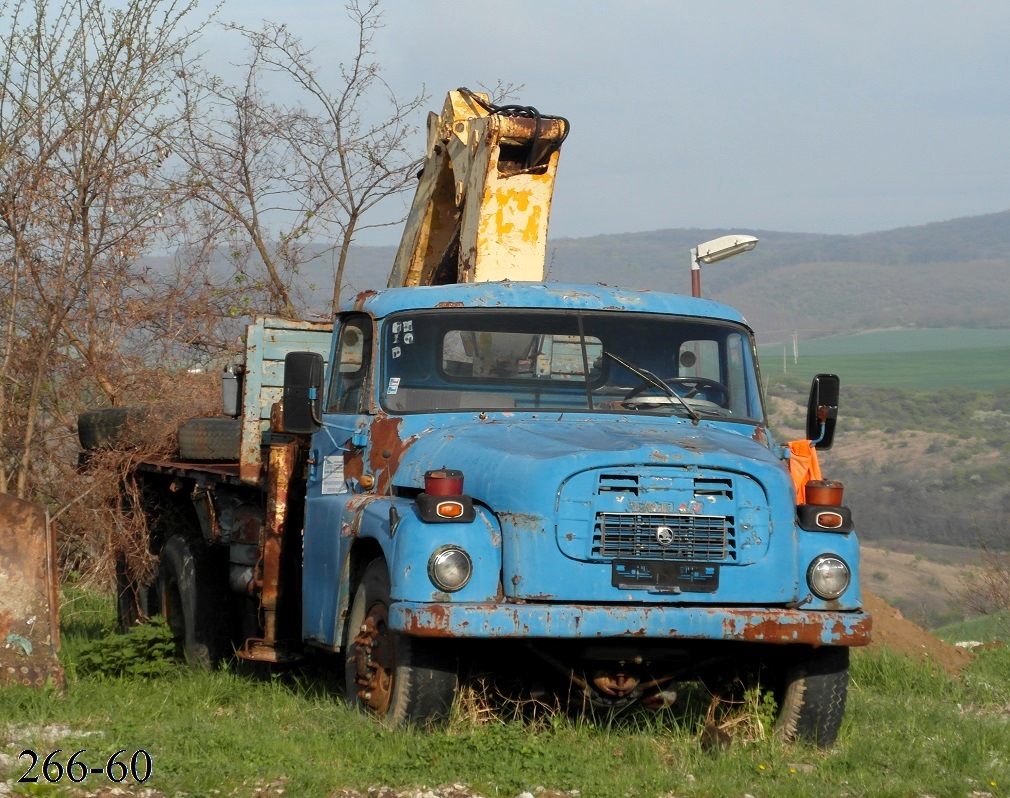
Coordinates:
(829, 520)
(443, 500)
(449, 509)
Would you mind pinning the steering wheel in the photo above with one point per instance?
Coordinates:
(693, 384)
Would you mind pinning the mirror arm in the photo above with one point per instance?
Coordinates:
(313, 396)
(824, 412)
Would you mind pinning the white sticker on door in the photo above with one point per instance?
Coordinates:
(333, 475)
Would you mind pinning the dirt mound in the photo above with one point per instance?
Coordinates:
(892, 630)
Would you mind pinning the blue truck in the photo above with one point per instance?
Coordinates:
(583, 473)
(580, 477)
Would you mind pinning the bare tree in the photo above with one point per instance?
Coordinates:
(290, 176)
(87, 119)
(242, 172)
(105, 168)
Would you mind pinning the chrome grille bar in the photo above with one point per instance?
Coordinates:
(660, 536)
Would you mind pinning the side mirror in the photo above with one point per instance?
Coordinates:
(303, 392)
(822, 410)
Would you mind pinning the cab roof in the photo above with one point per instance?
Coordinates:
(563, 296)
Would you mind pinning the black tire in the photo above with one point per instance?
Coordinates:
(210, 439)
(105, 428)
(194, 597)
(135, 603)
(401, 680)
(812, 697)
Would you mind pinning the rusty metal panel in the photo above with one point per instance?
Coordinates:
(268, 340)
(223, 472)
(751, 624)
(271, 586)
(29, 599)
(250, 453)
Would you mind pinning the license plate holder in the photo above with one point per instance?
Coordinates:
(665, 577)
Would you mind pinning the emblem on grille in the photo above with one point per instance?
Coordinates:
(664, 535)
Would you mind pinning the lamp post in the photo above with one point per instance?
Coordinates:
(714, 251)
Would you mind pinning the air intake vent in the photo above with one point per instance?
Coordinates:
(621, 483)
(714, 487)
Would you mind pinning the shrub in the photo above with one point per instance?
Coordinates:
(986, 590)
(147, 650)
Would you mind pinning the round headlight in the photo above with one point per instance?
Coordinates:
(449, 568)
(828, 576)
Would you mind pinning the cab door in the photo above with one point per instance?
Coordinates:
(335, 463)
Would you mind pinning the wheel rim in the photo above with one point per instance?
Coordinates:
(374, 660)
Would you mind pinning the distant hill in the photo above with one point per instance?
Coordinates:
(945, 274)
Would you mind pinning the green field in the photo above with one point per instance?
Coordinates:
(909, 730)
(925, 359)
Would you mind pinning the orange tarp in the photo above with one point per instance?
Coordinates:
(803, 467)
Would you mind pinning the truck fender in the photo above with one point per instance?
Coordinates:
(407, 544)
(416, 541)
(359, 555)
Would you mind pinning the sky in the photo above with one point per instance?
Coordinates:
(791, 116)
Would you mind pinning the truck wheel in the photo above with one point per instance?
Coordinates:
(812, 698)
(398, 678)
(210, 439)
(195, 602)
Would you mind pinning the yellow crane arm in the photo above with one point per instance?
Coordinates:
(484, 195)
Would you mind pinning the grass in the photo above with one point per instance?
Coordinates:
(926, 733)
(908, 731)
(982, 369)
(984, 629)
(930, 360)
(905, 341)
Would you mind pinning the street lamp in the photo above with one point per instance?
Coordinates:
(714, 251)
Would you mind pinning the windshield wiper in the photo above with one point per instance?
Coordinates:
(656, 382)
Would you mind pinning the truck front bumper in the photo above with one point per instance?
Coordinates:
(782, 626)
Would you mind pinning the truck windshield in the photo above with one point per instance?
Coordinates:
(608, 362)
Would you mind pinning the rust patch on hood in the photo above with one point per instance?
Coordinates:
(361, 298)
(354, 462)
(386, 450)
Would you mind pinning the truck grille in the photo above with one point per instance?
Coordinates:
(658, 536)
